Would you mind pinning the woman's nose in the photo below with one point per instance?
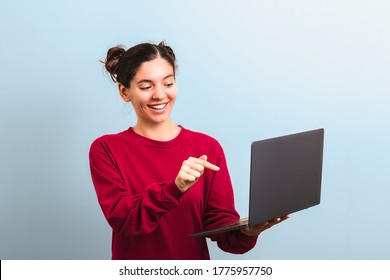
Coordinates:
(158, 93)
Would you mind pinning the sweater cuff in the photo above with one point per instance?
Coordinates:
(248, 239)
(173, 190)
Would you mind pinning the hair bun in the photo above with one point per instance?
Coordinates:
(114, 55)
(168, 49)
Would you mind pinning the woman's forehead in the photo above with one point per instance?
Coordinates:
(154, 70)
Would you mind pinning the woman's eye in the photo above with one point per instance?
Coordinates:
(169, 85)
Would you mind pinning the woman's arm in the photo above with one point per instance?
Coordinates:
(127, 213)
(220, 209)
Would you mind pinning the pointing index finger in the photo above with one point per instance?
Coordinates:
(210, 166)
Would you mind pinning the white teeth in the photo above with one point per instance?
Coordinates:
(158, 107)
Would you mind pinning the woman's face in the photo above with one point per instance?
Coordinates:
(152, 91)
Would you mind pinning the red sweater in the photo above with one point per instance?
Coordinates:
(150, 218)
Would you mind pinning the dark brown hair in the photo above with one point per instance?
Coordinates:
(122, 65)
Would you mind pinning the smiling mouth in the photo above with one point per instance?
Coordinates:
(158, 106)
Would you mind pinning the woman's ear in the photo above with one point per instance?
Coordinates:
(124, 93)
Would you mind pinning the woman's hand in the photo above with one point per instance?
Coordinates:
(191, 170)
(256, 230)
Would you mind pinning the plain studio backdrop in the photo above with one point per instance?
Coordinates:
(248, 70)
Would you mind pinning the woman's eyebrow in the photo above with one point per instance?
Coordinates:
(144, 81)
(150, 81)
(168, 76)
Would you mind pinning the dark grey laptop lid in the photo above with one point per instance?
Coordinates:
(286, 175)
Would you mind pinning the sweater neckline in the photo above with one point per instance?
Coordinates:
(157, 143)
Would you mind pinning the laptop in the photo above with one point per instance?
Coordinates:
(285, 177)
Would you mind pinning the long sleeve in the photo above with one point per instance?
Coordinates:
(220, 209)
(126, 212)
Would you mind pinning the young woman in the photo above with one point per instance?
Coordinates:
(158, 182)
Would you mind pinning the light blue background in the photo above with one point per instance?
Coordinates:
(247, 70)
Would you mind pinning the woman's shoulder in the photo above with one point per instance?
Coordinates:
(198, 134)
(110, 139)
(201, 138)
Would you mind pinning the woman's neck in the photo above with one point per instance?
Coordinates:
(161, 132)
